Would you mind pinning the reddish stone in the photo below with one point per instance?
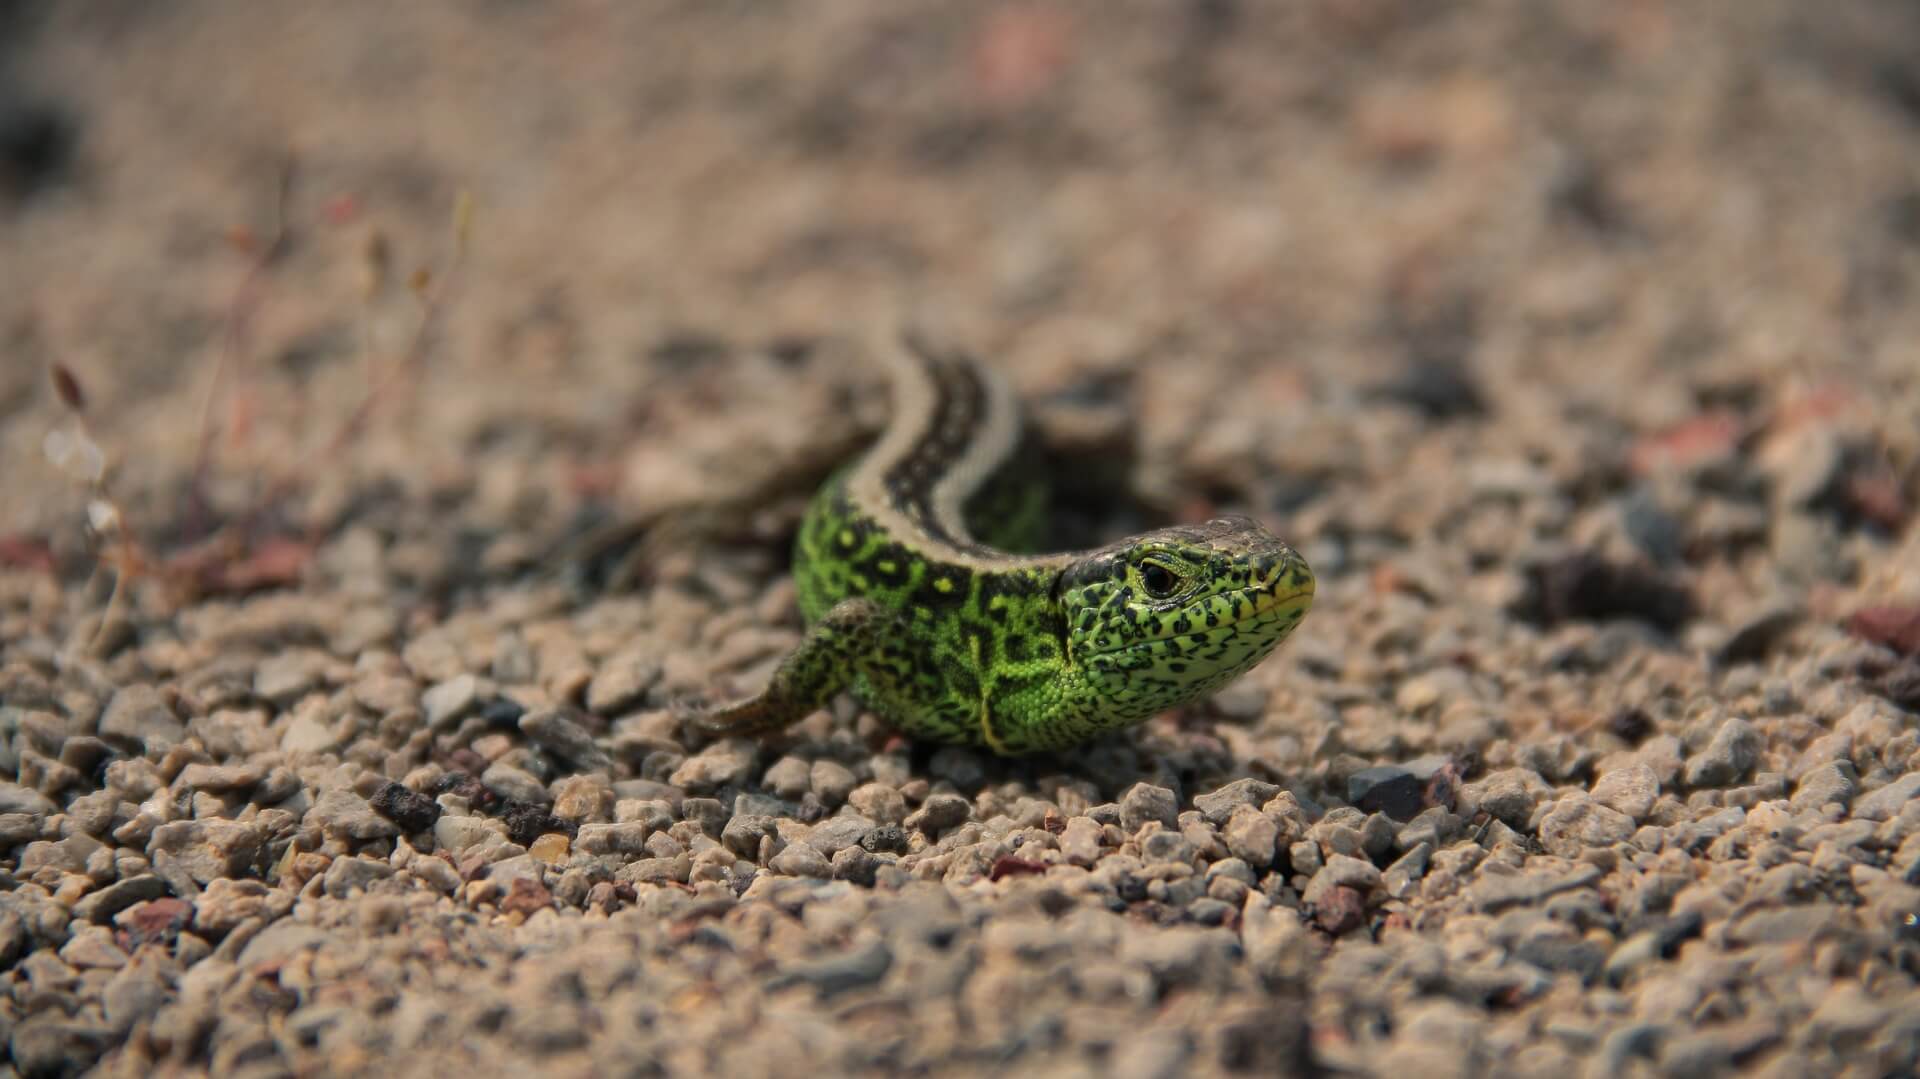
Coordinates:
(526, 895)
(1897, 627)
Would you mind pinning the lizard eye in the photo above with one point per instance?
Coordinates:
(1158, 580)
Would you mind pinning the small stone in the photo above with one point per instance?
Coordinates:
(140, 714)
(348, 875)
(528, 821)
(1508, 795)
(1631, 789)
(743, 834)
(879, 802)
(1081, 840)
(100, 906)
(837, 973)
(939, 813)
(1833, 783)
(1577, 822)
(856, 866)
(515, 784)
(1339, 910)
(886, 839)
(1218, 805)
(1491, 892)
(565, 738)
(1341, 871)
(226, 904)
(1888, 801)
(836, 834)
(1251, 836)
(832, 782)
(1388, 789)
(550, 848)
(525, 895)
(1144, 802)
(1400, 878)
(155, 920)
(437, 873)
(93, 948)
(457, 833)
(308, 732)
(583, 798)
(629, 837)
(342, 813)
(728, 762)
(790, 777)
(1160, 848)
(15, 798)
(211, 777)
(206, 849)
(448, 702)
(708, 813)
(800, 860)
(412, 811)
(1728, 758)
(622, 682)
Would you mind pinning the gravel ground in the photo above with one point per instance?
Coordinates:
(1576, 345)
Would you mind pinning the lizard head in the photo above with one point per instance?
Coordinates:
(1169, 616)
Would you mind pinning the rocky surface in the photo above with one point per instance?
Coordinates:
(1575, 345)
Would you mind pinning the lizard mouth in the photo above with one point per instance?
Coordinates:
(1242, 607)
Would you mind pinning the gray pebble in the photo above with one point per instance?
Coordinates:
(1577, 822)
(1833, 783)
(1144, 802)
(1631, 789)
(832, 781)
(1219, 804)
(1251, 836)
(789, 777)
(515, 784)
(1728, 758)
(448, 702)
(879, 802)
(724, 763)
(939, 813)
(566, 738)
(801, 860)
(139, 713)
(1886, 802)
(342, 813)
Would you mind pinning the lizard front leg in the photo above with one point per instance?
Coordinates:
(841, 645)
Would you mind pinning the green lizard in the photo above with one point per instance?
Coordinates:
(956, 641)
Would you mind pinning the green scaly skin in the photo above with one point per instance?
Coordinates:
(956, 641)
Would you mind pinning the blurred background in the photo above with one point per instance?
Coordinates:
(1636, 233)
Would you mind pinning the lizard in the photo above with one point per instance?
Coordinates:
(913, 598)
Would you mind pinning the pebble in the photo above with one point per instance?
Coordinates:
(879, 802)
(801, 860)
(1576, 822)
(1887, 801)
(1631, 789)
(725, 763)
(1219, 805)
(1728, 758)
(515, 784)
(939, 813)
(1145, 802)
(1251, 836)
(409, 810)
(1508, 795)
(138, 713)
(566, 738)
(1833, 783)
(345, 814)
(446, 703)
(1388, 789)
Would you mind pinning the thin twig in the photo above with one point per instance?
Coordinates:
(239, 316)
